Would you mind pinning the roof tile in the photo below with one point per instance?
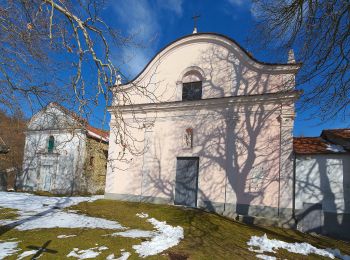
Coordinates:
(104, 135)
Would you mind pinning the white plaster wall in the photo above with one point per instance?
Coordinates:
(68, 156)
(51, 118)
(238, 150)
(239, 144)
(227, 71)
(323, 179)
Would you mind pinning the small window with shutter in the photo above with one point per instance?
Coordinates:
(51, 144)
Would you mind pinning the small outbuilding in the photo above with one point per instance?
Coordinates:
(63, 154)
(322, 183)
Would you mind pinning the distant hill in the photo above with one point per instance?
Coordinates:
(12, 133)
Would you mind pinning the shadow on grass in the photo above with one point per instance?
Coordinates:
(10, 226)
(42, 249)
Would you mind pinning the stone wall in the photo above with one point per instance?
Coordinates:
(95, 165)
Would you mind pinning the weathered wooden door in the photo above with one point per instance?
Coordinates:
(46, 172)
(186, 181)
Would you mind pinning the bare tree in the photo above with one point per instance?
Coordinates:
(61, 51)
(12, 133)
(320, 32)
(52, 50)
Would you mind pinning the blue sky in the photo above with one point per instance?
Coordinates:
(156, 23)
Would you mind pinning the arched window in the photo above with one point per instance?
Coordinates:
(192, 86)
(51, 144)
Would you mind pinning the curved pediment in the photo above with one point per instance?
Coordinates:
(230, 43)
(221, 64)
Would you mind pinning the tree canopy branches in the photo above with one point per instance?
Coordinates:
(43, 42)
(320, 31)
(61, 51)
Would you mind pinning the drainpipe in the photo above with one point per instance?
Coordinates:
(225, 190)
(294, 188)
(143, 165)
(279, 168)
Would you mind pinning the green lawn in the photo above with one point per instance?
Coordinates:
(207, 235)
(8, 213)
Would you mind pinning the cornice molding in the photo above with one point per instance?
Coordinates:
(209, 103)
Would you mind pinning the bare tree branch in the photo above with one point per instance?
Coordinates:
(320, 32)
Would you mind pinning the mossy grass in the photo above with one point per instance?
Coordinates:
(6, 213)
(207, 235)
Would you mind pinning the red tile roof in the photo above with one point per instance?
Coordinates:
(309, 145)
(99, 132)
(341, 133)
(315, 145)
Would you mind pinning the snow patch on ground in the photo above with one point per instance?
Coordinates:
(87, 253)
(166, 236)
(73, 211)
(83, 254)
(26, 253)
(124, 256)
(66, 236)
(61, 219)
(37, 212)
(30, 202)
(265, 244)
(134, 233)
(142, 215)
(46, 212)
(265, 257)
(163, 237)
(8, 248)
(110, 257)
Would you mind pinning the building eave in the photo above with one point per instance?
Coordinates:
(211, 102)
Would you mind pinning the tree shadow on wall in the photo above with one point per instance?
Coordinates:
(239, 153)
(324, 193)
(53, 159)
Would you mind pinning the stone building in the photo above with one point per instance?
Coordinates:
(322, 183)
(206, 125)
(63, 154)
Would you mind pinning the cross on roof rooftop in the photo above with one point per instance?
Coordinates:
(195, 18)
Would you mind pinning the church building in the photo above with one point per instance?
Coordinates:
(63, 154)
(206, 125)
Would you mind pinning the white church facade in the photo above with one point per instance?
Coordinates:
(63, 154)
(206, 125)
